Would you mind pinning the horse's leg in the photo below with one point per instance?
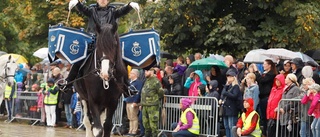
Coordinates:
(95, 113)
(103, 116)
(86, 121)
(107, 126)
(1, 97)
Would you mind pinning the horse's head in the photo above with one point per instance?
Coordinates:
(10, 68)
(109, 53)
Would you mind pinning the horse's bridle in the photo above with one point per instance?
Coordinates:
(4, 78)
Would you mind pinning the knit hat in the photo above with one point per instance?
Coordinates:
(213, 83)
(250, 101)
(186, 102)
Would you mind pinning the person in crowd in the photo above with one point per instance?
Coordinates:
(168, 62)
(51, 100)
(305, 120)
(181, 66)
(151, 95)
(253, 89)
(307, 72)
(248, 123)
(279, 64)
(243, 83)
(229, 100)
(241, 69)
(132, 102)
(265, 82)
(228, 60)
(188, 125)
(10, 93)
(212, 89)
(251, 68)
(286, 68)
(197, 56)
(291, 91)
(215, 74)
(28, 82)
(313, 96)
(66, 99)
(296, 66)
(195, 79)
(34, 75)
(186, 74)
(58, 79)
(273, 101)
(40, 104)
(175, 85)
(165, 79)
(202, 90)
(76, 109)
(316, 76)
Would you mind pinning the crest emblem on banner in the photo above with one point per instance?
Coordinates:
(136, 49)
(74, 47)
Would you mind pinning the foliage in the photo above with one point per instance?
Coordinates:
(186, 26)
(234, 27)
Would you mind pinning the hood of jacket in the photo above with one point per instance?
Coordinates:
(281, 78)
(200, 74)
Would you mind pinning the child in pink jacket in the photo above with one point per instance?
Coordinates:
(314, 110)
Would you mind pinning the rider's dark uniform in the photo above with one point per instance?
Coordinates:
(102, 15)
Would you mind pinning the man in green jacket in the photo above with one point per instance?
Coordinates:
(151, 100)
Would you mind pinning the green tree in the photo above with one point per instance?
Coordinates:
(234, 27)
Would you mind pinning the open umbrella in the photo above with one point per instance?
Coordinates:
(280, 53)
(2, 53)
(315, 54)
(256, 56)
(41, 53)
(207, 63)
(216, 56)
(20, 58)
(305, 58)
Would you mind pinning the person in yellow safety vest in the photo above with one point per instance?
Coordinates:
(50, 101)
(188, 125)
(248, 123)
(9, 94)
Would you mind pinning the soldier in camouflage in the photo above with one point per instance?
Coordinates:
(150, 101)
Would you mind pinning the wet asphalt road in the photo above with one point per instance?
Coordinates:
(16, 129)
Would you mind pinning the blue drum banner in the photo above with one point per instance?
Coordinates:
(139, 46)
(71, 43)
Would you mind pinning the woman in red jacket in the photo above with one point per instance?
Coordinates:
(273, 101)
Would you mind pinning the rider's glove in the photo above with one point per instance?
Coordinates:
(135, 6)
(72, 3)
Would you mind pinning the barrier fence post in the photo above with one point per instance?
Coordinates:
(206, 109)
(25, 107)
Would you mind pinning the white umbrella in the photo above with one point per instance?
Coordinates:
(41, 53)
(2, 53)
(280, 53)
(256, 56)
(216, 56)
(305, 58)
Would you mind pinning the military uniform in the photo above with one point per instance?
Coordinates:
(150, 101)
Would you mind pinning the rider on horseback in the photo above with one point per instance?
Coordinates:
(101, 13)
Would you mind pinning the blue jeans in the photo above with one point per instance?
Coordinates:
(9, 108)
(181, 133)
(315, 127)
(67, 110)
(305, 129)
(140, 123)
(229, 122)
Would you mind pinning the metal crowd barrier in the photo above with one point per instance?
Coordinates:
(117, 116)
(206, 109)
(295, 114)
(25, 107)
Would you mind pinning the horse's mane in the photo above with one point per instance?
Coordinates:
(107, 43)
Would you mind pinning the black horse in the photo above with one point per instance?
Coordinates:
(100, 100)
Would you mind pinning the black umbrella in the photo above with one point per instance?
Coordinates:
(167, 55)
(315, 54)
